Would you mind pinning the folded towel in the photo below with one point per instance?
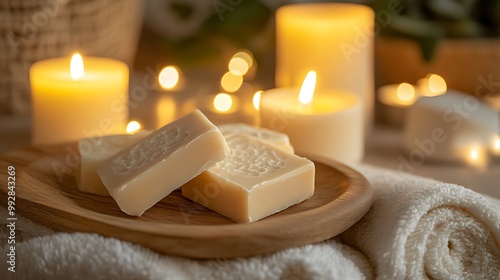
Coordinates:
(419, 228)
(91, 256)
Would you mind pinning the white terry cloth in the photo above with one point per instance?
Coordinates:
(91, 256)
(419, 228)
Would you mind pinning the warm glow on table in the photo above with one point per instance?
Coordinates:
(88, 101)
(334, 39)
(328, 125)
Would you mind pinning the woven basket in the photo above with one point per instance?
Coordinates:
(31, 30)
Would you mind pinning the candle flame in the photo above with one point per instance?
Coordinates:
(477, 156)
(256, 99)
(474, 154)
(496, 146)
(133, 127)
(406, 92)
(223, 102)
(437, 85)
(168, 77)
(307, 89)
(76, 67)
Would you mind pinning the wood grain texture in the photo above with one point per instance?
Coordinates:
(46, 192)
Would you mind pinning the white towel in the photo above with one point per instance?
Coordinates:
(419, 228)
(91, 256)
(405, 235)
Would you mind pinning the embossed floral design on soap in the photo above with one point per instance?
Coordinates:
(161, 144)
(250, 158)
(141, 175)
(255, 181)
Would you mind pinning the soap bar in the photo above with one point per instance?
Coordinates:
(280, 140)
(95, 150)
(256, 180)
(140, 176)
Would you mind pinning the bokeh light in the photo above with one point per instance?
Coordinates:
(133, 126)
(168, 77)
(223, 102)
(256, 99)
(406, 92)
(231, 82)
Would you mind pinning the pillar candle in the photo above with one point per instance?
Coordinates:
(334, 39)
(88, 100)
(329, 125)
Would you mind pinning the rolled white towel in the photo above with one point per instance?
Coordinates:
(91, 256)
(419, 228)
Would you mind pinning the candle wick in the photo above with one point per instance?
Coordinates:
(305, 108)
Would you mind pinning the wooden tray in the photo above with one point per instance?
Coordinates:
(46, 192)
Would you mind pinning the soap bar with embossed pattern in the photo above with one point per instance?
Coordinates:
(95, 150)
(256, 180)
(140, 176)
(277, 139)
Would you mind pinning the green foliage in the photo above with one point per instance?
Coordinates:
(428, 21)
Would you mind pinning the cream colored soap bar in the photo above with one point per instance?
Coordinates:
(280, 140)
(253, 182)
(95, 150)
(140, 176)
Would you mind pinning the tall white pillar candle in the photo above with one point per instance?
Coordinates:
(334, 39)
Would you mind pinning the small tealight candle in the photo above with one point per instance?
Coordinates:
(432, 85)
(328, 124)
(76, 98)
(133, 127)
(394, 99)
(496, 146)
(400, 96)
(473, 154)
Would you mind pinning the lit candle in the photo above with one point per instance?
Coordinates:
(472, 153)
(133, 127)
(335, 39)
(400, 96)
(328, 124)
(76, 98)
(432, 85)
(394, 99)
(495, 147)
(450, 127)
